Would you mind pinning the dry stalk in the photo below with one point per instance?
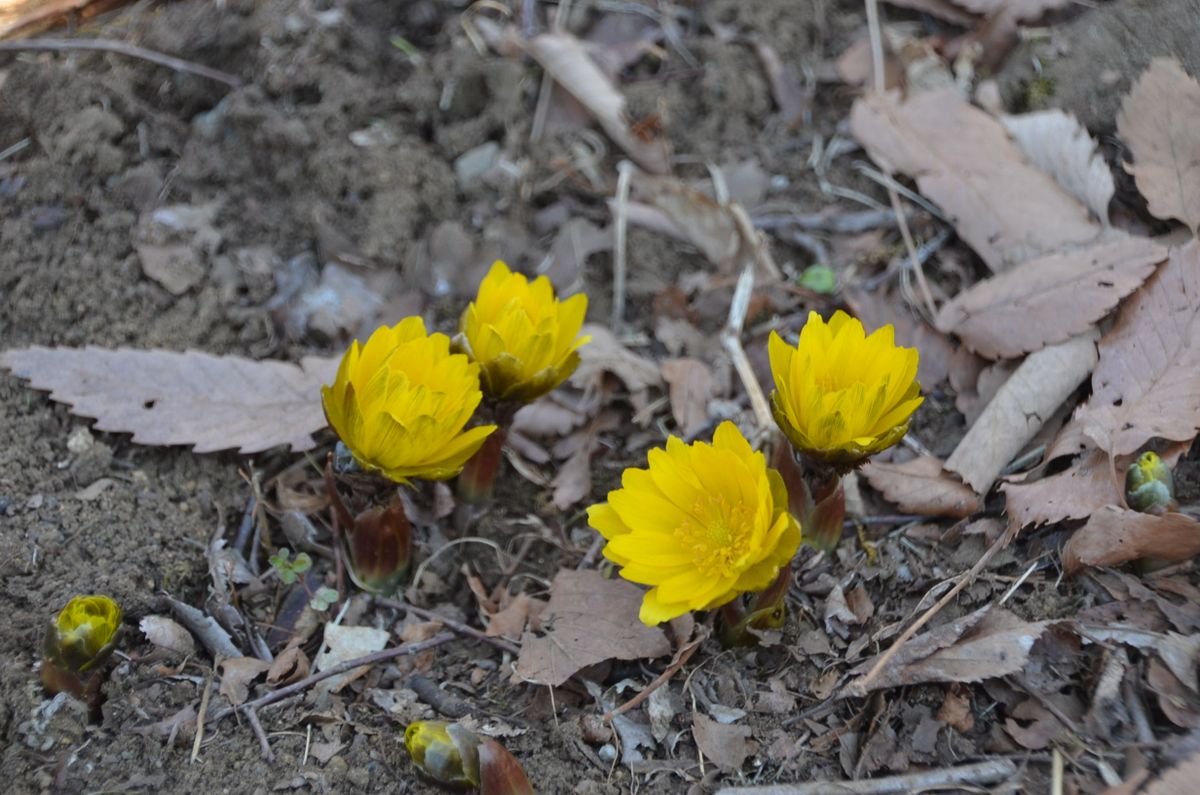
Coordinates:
(121, 48)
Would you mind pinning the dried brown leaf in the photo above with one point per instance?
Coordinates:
(176, 267)
(963, 159)
(565, 58)
(167, 634)
(942, 9)
(1179, 780)
(1074, 493)
(1147, 382)
(988, 643)
(691, 385)
(722, 743)
(690, 215)
(1158, 123)
(1058, 144)
(163, 397)
(606, 354)
(1048, 299)
(236, 675)
(1115, 535)
(589, 619)
(922, 487)
(1028, 398)
(573, 481)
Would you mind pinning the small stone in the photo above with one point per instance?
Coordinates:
(80, 440)
(474, 163)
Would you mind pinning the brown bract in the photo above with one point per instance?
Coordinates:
(1048, 299)
(162, 397)
(1147, 382)
(1115, 535)
(1158, 123)
(962, 159)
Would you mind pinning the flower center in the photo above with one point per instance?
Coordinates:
(716, 533)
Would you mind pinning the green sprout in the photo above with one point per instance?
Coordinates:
(819, 279)
(290, 568)
(323, 599)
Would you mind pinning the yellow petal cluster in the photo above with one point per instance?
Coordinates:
(400, 403)
(525, 340)
(83, 633)
(841, 395)
(702, 524)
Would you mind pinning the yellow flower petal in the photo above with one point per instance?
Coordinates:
(401, 402)
(522, 336)
(840, 394)
(701, 524)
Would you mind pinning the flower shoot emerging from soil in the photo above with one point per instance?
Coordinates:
(400, 404)
(1150, 485)
(525, 340)
(78, 642)
(455, 756)
(702, 524)
(841, 395)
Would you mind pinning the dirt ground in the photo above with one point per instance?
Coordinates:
(338, 128)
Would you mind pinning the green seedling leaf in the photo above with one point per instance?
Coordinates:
(323, 599)
(289, 568)
(819, 278)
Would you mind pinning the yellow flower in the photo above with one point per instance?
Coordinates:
(525, 340)
(841, 395)
(401, 401)
(702, 524)
(83, 634)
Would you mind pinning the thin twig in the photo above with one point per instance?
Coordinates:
(877, 62)
(731, 338)
(988, 772)
(680, 660)
(252, 718)
(208, 686)
(450, 624)
(965, 580)
(341, 668)
(620, 227)
(121, 48)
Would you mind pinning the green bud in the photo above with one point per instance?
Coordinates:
(1149, 485)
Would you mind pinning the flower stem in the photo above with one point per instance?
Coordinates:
(827, 511)
(478, 477)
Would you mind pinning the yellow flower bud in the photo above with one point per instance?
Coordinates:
(445, 752)
(841, 395)
(702, 524)
(1150, 485)
(525, 340)
(78, 641)
(401, 402)
(451, 754)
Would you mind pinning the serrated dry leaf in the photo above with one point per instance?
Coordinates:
(1048, 299)
(1147, 382)
(723, 744)
(167, 634)
(606, 354)
(197, 399)
(565, 59)
(1158, 123)
(691, 385)
(1058, 144)
(922, 487)
(1179, 780)
(1115, 535)
(348, 643)
(589, 619)
(988, 643)
(962, 159)
(236, 675)
(687, 214)
(1028, 398)
(1072, 494)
